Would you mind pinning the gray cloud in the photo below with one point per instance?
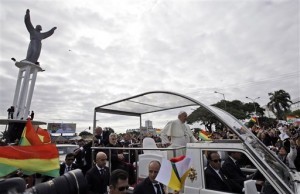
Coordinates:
(104, 51)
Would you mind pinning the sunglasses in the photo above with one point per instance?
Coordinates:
(70, 159)
(153, 171)
(215, 161)
(123, 188)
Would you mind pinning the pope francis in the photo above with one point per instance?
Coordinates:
(180, 133)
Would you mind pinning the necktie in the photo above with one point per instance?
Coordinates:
(237, 164)
(101, 170)
(222, 176)
(157, 189)
(69, 168)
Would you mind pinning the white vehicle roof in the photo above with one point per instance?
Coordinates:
(156, 101)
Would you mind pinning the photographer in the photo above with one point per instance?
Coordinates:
(83, 154)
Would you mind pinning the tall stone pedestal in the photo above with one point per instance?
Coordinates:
(24, 88)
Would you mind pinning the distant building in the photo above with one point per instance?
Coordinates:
(148, 124)
(147, 130)
(295, 104)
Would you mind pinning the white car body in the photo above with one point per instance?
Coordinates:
(64, 149)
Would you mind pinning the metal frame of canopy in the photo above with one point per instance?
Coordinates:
(140, 107)
(156, 101)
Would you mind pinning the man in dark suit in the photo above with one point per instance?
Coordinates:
(214, 177)
(118, 159)
(84, 153)
(80, 157)
(232, 170)
(98, 176)
(150, 185)
(68, 165)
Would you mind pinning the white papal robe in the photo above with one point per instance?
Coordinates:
(180, 134)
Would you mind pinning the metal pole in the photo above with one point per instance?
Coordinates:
(253, 100)
(223, 98)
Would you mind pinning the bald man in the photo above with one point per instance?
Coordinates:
(150, 185)
(98, 176)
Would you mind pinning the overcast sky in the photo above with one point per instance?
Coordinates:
(107, 50)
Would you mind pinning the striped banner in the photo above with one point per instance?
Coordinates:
(38, 158)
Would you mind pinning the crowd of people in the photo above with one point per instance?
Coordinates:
(283, 139)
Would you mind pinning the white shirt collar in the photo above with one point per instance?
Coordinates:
(234, 160)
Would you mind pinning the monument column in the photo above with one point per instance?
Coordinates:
(24, 88)
(28, 69)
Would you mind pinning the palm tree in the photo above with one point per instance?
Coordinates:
(279, 103)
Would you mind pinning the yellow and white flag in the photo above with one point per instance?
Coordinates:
(173, 172)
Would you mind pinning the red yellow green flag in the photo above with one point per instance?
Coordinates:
(36, 158)
(204, 135)
(253, 119)
(43, 135)
(173, 172)
(29, 136)
(32, 156)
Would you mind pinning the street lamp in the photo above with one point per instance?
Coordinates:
(223, 97)
(253, 100)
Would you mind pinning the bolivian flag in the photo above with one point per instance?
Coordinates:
(43, 135)
(173, 172)
(204, 135)
(38, 158)
(29, 136)
(31, 156)
(253, 119)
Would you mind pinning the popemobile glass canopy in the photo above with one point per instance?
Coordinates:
(157, 101)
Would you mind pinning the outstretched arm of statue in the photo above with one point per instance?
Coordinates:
(27, 20)
(49, 33)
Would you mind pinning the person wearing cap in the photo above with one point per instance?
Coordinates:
(179, 132)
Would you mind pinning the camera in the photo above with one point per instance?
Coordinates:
(69, 183)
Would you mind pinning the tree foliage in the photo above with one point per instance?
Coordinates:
(279, 103)
(85, 133)
(203, 117)
(241, 110)
(236, 108)
(295, 113)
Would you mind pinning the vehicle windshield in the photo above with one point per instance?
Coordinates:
(263, 153)
(151, 102)
(62, 150)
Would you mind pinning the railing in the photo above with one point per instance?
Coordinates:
(136, 150)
